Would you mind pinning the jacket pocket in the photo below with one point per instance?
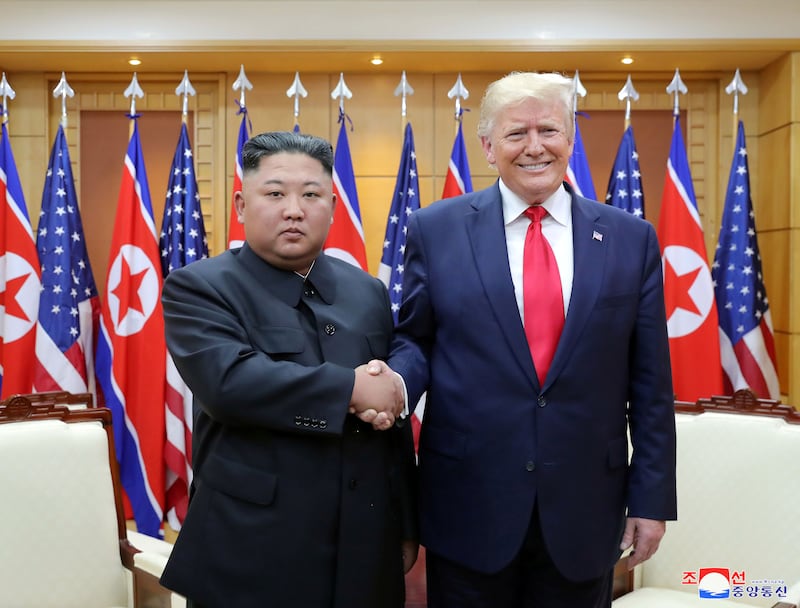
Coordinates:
(625, 299)
(239, 480)
(279, 340)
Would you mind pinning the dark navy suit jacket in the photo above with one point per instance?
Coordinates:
(493, 441)
(295, 502)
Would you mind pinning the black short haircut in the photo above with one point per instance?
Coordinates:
(276, 142)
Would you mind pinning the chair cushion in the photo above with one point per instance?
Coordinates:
(653, 597)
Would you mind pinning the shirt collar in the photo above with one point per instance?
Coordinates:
(558, 205)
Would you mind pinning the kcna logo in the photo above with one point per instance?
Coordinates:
(715, 583)
(722, 583)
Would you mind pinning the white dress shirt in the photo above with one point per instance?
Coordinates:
(556, 228)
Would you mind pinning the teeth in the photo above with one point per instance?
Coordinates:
(536, 166)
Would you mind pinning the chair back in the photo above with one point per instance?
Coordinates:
(61, 518)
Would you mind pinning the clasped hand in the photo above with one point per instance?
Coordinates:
(378, 397)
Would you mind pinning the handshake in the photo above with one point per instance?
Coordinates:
(378, 395)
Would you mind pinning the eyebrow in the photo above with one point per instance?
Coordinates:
(281, 182)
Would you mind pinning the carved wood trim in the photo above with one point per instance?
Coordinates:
(742, 401)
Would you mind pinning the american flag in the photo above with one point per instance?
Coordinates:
(69, 309)
(746, 335)
(578, 174)
(20, 282)
(131, 350)
(235, 229)
(182, 241)
(346, 237)
(692, 322)
(625, 183)
(458, 180)
(404, 202)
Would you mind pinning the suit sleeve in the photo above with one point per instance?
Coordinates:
(237, 384)
(415, 330)
(651, 485)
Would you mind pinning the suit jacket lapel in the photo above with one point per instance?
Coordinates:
(589, 246)
(486, 232)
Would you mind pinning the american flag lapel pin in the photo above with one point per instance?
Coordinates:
(597, 236)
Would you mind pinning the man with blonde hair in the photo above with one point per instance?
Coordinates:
(534, 319)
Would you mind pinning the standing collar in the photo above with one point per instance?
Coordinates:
(287, 284)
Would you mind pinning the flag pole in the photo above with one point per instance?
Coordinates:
(459, 92)
(676, 88)
(7, 93)
(63, 90)
(403, 90)
(133, 91)
(185, 89)
(735, 87)
(297, 90)
(626, 94)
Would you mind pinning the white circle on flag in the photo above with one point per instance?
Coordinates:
(684, 260)
(26, 291)
(142, 301)
(341, 254)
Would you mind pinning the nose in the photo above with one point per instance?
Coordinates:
(533, 144)
(293, 208)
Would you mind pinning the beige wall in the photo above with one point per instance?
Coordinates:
(770, 112)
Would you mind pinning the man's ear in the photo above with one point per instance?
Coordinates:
(333, 206)
(486, 144)
(238, 204)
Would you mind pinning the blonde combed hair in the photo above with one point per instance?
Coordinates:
(517, 87)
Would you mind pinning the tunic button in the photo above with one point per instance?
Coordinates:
(330, 329)
(530, 466)
(542, 401)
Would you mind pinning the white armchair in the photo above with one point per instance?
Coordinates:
(64, 542)
(738, 488)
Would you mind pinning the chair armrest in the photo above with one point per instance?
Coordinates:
(147, 565)
(623, 578)
(792, 599)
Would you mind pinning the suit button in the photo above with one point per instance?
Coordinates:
(542, 401)
(330, 329)
(530, 466)
(353, 484)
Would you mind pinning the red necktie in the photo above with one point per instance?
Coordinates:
(543, 301)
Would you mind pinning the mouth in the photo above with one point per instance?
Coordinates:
(293, 232)
(534, 166)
